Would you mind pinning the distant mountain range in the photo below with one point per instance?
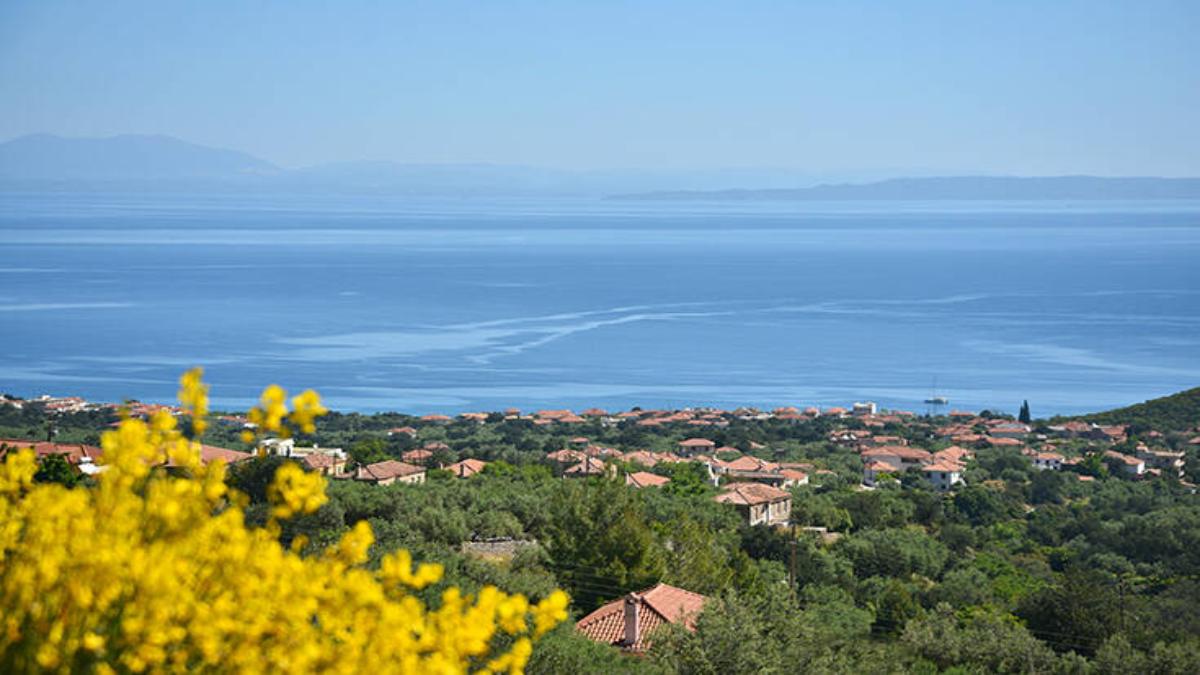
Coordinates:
(150, 163)
(955, 188)
(43, 157)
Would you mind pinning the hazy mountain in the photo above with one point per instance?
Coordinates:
(44, 157)
(148, 163)
(959, 187)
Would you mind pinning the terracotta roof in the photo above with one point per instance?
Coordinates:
(641, 479)
(748, 463)
(656, 606)
(319, 460)
(751, 493)
(589, 466)
(904, 452)
(697, 443)
(944, 466)
(1006, 442)
(467, 467)
(643, 457)
(386, 469)
(418, 455)
(566, 455)
(74, 452)
(792, 474)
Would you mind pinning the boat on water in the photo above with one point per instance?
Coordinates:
(937, 400)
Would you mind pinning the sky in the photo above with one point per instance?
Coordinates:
(1016, 87)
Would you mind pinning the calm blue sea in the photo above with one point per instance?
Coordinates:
(424, 305)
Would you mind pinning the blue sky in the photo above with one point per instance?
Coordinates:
(1110, 88)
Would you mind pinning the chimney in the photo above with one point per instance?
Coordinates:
(632, 630)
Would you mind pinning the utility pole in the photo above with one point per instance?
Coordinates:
(792, 562)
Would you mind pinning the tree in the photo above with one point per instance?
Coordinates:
(56, 469)
(599, 541)
(1083, 608)
(985, 640)
(1023, 416)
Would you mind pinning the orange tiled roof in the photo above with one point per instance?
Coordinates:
(386, 469)
(751, 493)
(656, 606)
(467, 467)
(641, 479)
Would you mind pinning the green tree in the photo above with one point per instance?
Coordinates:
(599, 541)
(56, 469)
(1083, 608)
(988, 641)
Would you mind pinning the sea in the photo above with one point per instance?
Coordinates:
(421, 304)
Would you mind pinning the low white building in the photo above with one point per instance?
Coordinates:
(862, 409)
(1048, 460)
(943, 475)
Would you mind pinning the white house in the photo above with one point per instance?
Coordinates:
(1048, 460)
(943, 475)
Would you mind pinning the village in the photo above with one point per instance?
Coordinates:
(762, 465)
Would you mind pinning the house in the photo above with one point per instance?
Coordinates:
(943, 475)
(630, 622)
(902, 457)
(863, 409)
(566, 457)
(390, 471)
(779, 479)
(760, 504)
(403, 431)
(954, 453)
(1048, 460)
(744, 464)
(588, 467)
(873, 469)
(326, 465)
(418, 456)
(1170, 463)
(642, 458)
(1010, 430)
(467, 467)
(286, 447)
(693, 445)
(1130, 466)
(641, 479)
(85, 458)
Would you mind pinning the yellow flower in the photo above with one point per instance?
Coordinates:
(150, 571)
(306, 407)
(193, 395)
(295, 491)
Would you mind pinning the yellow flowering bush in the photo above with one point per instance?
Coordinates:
(153, 571)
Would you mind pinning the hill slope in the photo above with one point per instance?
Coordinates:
(1174, 413)
(44, 157)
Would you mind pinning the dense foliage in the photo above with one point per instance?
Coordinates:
(1177, 411)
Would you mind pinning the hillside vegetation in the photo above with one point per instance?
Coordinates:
(1174, 413)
